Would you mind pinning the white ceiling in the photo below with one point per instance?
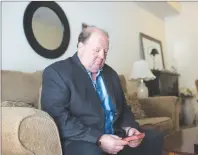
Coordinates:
(160, 9)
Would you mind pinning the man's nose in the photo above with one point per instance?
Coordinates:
(102, 54)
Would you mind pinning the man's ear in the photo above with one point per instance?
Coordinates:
(80, 46)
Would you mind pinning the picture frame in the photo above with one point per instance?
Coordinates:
(152, 52)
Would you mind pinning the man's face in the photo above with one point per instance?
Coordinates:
(94, 51)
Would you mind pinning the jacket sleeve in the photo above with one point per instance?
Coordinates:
(55, 100)
(127, 116)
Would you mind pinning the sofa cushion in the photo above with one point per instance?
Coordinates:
(20, 86)
(163, 124)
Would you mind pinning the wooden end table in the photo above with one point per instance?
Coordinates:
(181, 142)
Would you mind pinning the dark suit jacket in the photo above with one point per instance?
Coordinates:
(69, 97)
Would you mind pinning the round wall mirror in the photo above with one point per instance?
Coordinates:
(46, 28)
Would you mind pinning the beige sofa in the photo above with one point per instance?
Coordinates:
(26, 130)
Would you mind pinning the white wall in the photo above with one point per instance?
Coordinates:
(122, 20)
(182, 43)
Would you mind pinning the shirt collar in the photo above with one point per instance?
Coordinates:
(98, 73)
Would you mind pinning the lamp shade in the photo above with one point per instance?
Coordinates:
(141, 71)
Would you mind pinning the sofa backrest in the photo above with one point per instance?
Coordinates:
(20, 86)
(123, 83)
(25, 87)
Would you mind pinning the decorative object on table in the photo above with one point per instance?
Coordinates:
(141, 72)
(173, 69)
(152, 52)
(188, 107)
(186, 92)
(46, 28)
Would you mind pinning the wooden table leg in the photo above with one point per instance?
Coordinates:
(171, 153)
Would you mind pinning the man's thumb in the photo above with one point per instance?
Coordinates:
(116, 137)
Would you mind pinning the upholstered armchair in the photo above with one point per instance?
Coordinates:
(160, 112)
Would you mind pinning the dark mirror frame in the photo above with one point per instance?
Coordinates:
(27, 25)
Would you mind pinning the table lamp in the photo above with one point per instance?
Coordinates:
(141, 72)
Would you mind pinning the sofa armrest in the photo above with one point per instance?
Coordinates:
(162, 106)
(28, 131)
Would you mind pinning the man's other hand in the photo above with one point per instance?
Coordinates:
(112, 144)
(131, 132)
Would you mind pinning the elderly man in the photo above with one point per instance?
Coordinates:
(85, 98)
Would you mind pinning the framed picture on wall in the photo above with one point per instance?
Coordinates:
(151, 50)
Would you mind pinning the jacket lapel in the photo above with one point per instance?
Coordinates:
(90, 90)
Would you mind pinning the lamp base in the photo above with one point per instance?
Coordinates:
(142, 90)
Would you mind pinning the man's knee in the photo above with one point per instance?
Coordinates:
(153, 135)
(82, 148)
(153, 142)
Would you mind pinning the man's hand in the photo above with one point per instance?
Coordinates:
(131, 132)
(112, 144)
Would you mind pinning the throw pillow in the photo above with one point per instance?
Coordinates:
(136, 108)
(15, 104)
